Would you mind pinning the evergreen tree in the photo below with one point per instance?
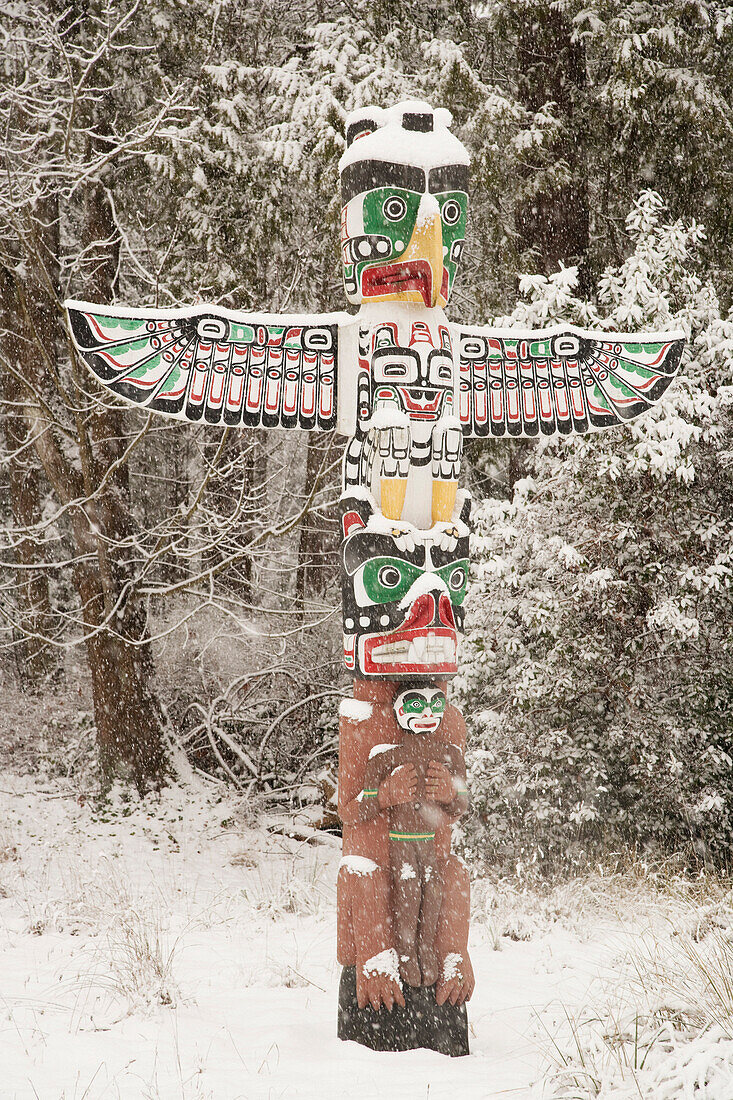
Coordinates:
(598, 678)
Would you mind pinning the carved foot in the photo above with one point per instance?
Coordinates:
(429, 966)
(410, 970)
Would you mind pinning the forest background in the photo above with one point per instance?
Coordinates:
(173, 590)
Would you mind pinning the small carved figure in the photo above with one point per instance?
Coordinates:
(419, 782)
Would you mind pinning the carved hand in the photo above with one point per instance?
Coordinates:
(439, 783)
(399, 787)
(457, 985)
(377, 990)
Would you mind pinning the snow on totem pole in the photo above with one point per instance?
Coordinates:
(406, 386)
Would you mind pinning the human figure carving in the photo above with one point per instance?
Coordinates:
(419, 782)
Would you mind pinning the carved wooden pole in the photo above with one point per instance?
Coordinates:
(406, 386)
(403, 898)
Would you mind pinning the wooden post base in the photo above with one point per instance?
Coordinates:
(421, 1023)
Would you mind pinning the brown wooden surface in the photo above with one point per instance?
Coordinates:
(365, 923)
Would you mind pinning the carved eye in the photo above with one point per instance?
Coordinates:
(414, 704)
(437, 704)
(394, 208)
(457, 579)
(212, 328)
(451, 212)
(564, 346)
(389, 577)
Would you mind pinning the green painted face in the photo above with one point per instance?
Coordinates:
(388, 216)
(392, 212)
(415, 702)
(420, 710)
(455, 576)
(454, 217)
(389, 579)
(381, 201)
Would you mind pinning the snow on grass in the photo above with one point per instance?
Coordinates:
(659, 1024)
(169, 948)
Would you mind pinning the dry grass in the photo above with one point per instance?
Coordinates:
(661, 1028)
(289, 891)
(140, 956)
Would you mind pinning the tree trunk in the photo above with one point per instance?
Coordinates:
(126, 714)
(36, 659)
(317, 541)
(553, 223)
(128, 719)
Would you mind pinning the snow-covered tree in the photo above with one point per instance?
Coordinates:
(598, 677)
(185, 150)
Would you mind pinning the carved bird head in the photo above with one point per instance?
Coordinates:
(404, 204)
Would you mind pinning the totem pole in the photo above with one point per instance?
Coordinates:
(405, 385)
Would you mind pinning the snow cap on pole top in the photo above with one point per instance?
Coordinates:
(411, 132)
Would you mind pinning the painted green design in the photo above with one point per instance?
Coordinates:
(388, 579)
(455, 577)
(389, 215)
(127, 346)
(414, 704)
(391, 212)
(149, 365)
(128, 324)
(639, 349)
(417, 702)
(599, 397)
(454, 217)
(411, 836)
(245, 334)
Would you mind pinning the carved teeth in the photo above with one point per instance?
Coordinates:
(390, 651)
(430, 649)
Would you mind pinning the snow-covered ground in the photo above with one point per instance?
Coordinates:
(174, 949)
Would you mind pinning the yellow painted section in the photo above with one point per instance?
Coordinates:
(444, 499)
(393, 491)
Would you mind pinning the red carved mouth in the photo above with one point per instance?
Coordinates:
(423, 408)
(444, 284)
(393, 278)
(420, 646)
(410, 653)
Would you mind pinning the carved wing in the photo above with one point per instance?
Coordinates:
(559, 380)
(213, 364)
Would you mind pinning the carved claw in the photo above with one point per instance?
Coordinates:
(445, 535)
(447, 449)
(377, 982)
(404, 537)
(389, 429)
